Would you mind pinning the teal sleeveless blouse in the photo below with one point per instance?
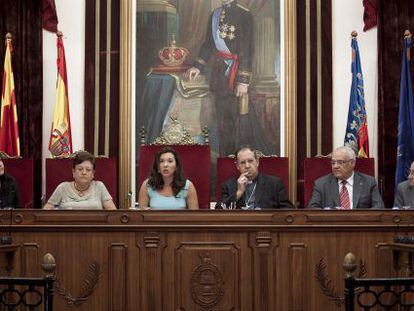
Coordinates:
(159, 201)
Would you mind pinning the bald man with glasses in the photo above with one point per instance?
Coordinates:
(345, 188)
(252, 190)
(405, 191)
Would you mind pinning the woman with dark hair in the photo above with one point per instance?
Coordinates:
(83, 192)
(166, 187)
(9, 190)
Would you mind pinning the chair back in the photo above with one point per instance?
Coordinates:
(275, 166)
(195, 160)
(318, 167)
(60, 169)
(22, 171)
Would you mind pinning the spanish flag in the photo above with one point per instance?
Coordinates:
(60, 143)
(9, 127)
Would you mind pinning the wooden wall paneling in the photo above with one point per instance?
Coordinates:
(30, 263)
(384, 263)
(263, 244)
(118, 276)
(5, 218)
(207, 276)
(298, 276)
(147, 259)
(152, 245)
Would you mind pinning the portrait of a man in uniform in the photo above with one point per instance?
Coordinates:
(234, 57)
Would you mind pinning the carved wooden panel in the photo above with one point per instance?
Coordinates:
(298, 274)
(207, 276)
(263, 243)
(384, 262)
(30, 263)
(118, 276)
(151, 245)
(184, 260)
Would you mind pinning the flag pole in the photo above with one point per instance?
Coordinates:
(8, 37)
(407, 34)
(354, 35)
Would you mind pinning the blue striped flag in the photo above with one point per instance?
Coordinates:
(405, 151)
(356, 135)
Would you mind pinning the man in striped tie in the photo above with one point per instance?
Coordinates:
(345, 188)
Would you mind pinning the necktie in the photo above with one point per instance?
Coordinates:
(344, 196)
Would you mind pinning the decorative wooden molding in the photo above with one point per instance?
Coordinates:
(88, 287)
(152, 240)
(262, 243)
(207, 285)
(290, 93)
(118, 276)
(298, 276)
(151, 244)
(325, 282)
(29, 259)
(125, 101)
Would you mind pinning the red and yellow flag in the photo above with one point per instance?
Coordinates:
(60, 143)
(9, 127)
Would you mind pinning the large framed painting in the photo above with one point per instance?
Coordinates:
(226, 65)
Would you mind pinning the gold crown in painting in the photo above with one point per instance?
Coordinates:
(172, 55)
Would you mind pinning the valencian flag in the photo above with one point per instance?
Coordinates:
(356, 135)
(405, 151)
(9, 129)
(60, 143)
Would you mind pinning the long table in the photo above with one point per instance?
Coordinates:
(202, 260)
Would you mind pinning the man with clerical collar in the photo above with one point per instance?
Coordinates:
(345, 188)
(252, 190)
(405, 191)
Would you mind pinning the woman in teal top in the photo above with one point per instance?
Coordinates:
(166, 188)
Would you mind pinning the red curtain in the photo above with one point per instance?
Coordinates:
(49, 16)
(370, 14)
(23, 19)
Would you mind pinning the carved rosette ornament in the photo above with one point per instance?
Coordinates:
(207, 286)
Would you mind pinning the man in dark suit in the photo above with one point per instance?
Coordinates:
(252, 190)
(405, 191)
(344, 187)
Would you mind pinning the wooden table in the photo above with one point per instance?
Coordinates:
(202, 260)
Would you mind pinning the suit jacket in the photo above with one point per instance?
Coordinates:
(405, 194)
(365, 192)
(270, 193)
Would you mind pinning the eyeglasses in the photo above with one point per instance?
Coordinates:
(340, 162)
(410, 172)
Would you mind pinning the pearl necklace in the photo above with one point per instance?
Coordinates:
(81, 192)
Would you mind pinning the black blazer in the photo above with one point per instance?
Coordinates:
(9, 192)
(270, 193)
